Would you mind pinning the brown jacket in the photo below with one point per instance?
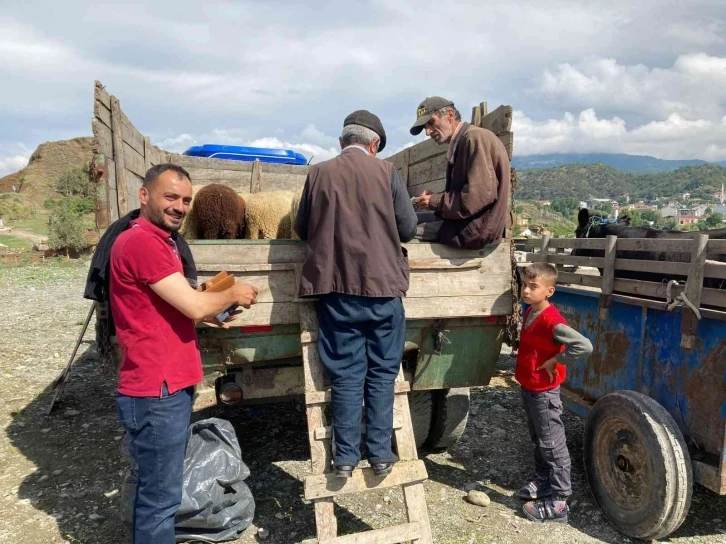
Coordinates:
(354, 213)
(475, 204)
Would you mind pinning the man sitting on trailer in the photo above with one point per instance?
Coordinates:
(155, 309)
(354, 213)
(474, 208)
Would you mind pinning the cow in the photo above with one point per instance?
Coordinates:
(594, 225)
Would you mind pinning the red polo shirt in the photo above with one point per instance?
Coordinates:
(158, 342)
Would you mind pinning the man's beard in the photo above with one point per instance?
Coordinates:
(156, 217)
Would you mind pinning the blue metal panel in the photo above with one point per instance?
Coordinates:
(638, 348)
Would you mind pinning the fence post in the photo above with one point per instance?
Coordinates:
(608, 276)
(694, 285)
(545, 248)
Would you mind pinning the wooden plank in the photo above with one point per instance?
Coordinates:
(118, 156)
(423, 172)
(579, 243)
(713, 269)
(569, 260)
(579, 279)
(508, 140)
(104, 138)
(476, 116)
(133, 160)
(694, 285)
(435, 186)
(608, 275)
(663, 267)
(133, 184)
(682, 245)
(716, 246)
(484, 107)
(544, 251)
(643, 288)
(387, 535)
(405, 168)
(425, 150)
(147, 154)
(499, 121)
(131, 135)
(256, 177)
(329, 485)
(102, 113)
(248, 252)
(323, 397)
(231, 177)
(112, 190)
(100, 94)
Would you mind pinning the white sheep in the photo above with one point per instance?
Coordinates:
(268, 215)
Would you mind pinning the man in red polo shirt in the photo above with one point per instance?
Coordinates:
(155, 311)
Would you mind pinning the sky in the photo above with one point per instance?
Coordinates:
(614, 76)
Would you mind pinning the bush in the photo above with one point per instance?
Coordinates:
(75, 181)
(80, 206)
(66, 231)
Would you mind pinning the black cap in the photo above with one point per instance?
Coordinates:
(366, 119)
(426, 109)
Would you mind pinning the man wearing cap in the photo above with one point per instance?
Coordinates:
(354, 214)
(474, 206)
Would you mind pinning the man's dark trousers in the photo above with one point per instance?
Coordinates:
(157, 436)
(360, 341)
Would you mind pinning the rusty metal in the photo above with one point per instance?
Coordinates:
(638, 348)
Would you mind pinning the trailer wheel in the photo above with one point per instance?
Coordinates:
(420, 404)
(637, 465)
(450, 414)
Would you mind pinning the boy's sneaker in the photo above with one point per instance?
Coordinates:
(547, 510)
(536, 488)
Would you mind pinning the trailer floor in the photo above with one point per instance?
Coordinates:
(60, 476)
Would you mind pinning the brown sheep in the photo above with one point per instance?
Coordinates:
(218, 213)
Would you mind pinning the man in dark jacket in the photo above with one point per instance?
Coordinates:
(475, 204)
(354, 213)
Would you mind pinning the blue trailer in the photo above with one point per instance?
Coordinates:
(654, 389)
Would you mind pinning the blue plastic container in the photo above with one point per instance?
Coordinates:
(239, 153)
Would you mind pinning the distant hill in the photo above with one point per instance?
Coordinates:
(619, 161)
(582, 181)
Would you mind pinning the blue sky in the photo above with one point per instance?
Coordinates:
(586, 76)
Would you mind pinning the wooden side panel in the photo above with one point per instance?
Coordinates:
(426, 150)
(133, 184)
(434, 168)
(133, 160)
(104, 138)
(499, 121)
(132, 136)
(112, 190)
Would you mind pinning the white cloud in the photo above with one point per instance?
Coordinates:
(11, 164)
(674, 138)
(694, 86)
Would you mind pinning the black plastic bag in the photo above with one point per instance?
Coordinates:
(216, 503)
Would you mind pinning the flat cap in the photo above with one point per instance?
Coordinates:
(366, 119)
(426, 109)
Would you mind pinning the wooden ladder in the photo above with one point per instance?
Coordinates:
(322, 486)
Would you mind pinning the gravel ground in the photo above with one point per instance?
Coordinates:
(60, 476)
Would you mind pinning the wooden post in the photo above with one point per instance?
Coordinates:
(476, 116)
(694, 285)
(118, 157)
(608, 276)
(545, 248)
(404, 166)
(484, 109)
(147, 153)
(256, 178)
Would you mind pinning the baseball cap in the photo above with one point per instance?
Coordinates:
(426, 109)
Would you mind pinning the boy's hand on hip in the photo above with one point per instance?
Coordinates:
(551, 367)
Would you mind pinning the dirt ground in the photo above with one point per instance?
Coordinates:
(60, 476)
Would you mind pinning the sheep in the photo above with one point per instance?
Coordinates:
(268, 215)
(217, 213)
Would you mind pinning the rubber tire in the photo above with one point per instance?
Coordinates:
(630, 433)
(421, 406)
(450, 414)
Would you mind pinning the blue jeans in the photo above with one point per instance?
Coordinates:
(157, 438)
(360, 341)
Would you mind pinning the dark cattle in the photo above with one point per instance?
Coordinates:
(592, 225)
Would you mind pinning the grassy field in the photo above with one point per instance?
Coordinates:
(37, 224)
(15, 243)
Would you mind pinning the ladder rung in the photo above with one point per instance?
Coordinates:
(318, 486)
(324, 433)
(320, 397)
(388, 535)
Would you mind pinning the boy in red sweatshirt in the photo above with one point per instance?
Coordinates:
(546, 344)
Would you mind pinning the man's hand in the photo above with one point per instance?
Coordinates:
(221, 324)
(422, 202)
(244, 293)
(551, 367)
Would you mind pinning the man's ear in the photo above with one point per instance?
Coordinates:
(373, 147)
(340, 141)
(143, 195)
